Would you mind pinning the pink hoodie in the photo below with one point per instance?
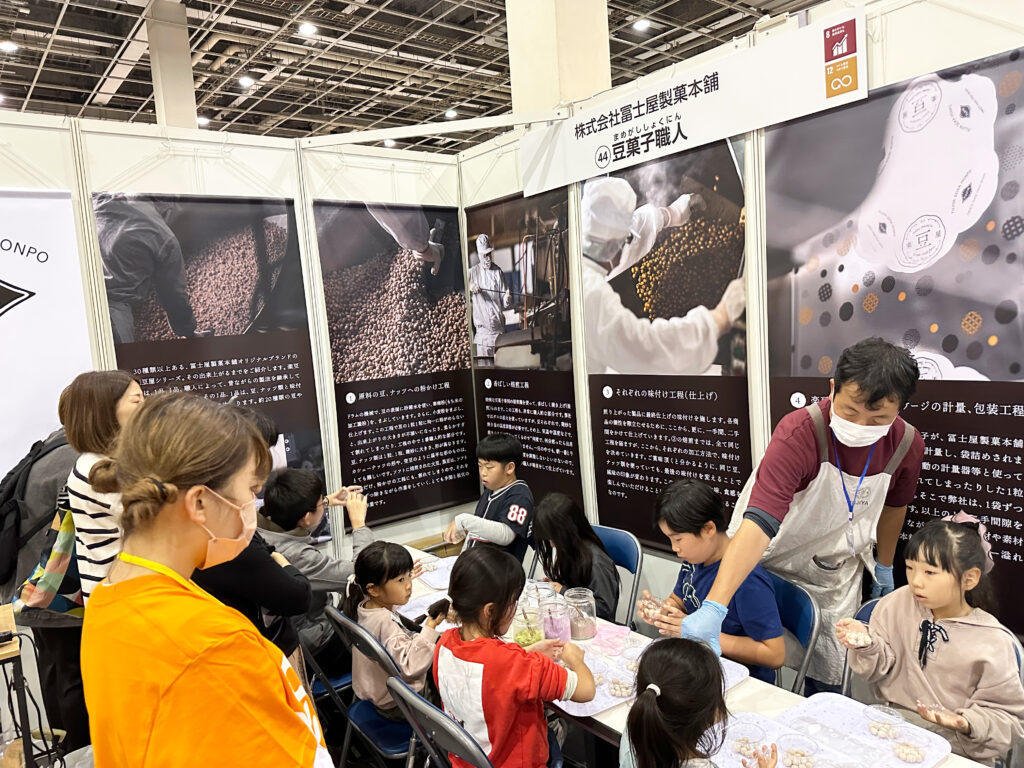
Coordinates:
(974, 673)
(413, 654)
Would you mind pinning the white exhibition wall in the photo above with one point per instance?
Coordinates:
(905, 38)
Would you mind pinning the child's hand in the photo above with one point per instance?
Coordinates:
(557, 587)
(572, 655)
(338, 498)
(764, 758)
(433, 622)
(943, 717)
(452, 534)
(645, 607)
(669, 620)
(356, 505)
(552, 648)
(417, 568)
(853, 634)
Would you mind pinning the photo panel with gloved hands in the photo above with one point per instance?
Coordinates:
(206, 294)
(663, 266)
(664, 304)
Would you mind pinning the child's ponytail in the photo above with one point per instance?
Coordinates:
(353, 597)
(679, 708)
(649, 734)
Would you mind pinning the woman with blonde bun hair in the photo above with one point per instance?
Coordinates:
(172, 676)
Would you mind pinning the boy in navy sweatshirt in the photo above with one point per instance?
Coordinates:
(504, 514)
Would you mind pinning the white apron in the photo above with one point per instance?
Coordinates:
(812, 548)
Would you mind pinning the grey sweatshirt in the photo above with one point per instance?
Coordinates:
(974, 673)
(325, 573)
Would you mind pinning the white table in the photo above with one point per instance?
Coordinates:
(750, 695)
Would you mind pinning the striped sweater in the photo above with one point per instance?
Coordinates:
(97, 530)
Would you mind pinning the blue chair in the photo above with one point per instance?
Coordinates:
(437, 732)
(324, 686)
(863, 615)
(801, 619)
(389, 740)
(627, 553)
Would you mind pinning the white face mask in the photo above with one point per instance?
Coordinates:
(856, 435)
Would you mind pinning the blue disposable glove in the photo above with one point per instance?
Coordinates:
(883, 581)
(705, 624)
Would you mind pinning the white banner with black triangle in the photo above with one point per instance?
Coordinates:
(44, 338)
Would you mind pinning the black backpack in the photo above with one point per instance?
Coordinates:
(12, 507)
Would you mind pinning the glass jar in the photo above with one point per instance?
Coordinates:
(554, 613)
(527, 626)
(582, 613)
(539, 591)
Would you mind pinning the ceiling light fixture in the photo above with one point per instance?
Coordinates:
(307, 29)
(8, 46)
(389, 143)
(451, 114)
(642, 25)
(246, 82)
(1, 98)
(202, 122)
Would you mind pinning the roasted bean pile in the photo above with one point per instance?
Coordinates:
(221, 283)
(384, 323)
(689, 266)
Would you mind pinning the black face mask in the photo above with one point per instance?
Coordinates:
(930, 635)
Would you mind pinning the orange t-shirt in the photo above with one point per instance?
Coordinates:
(173, 677)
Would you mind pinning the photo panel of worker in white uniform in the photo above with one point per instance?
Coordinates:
(206, 294)
(664, 308)
(394, 286)
(900, 217)
(522, 334)
(663, 266)
(519, 282)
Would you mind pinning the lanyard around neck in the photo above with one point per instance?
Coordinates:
(851, 503)
(152, 565)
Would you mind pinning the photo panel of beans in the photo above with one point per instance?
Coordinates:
(394, 285)
(197, 267)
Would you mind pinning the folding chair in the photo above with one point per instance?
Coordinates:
(626, 552)
(863, 615)
(801, 622)
(437, 732)
(326, 689)
(390, 740)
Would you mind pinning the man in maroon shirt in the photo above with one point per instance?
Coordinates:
(833, 486)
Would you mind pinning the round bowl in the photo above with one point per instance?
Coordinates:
(883, 722)
(797, 751)
(910, 745)
(744, 738)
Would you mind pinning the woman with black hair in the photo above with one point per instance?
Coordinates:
(571, 553)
